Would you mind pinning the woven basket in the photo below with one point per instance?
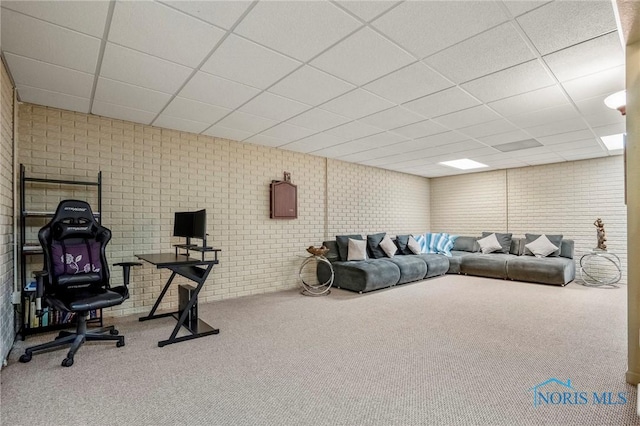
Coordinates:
(318, 251)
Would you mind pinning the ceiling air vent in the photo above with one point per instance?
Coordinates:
(518, 145)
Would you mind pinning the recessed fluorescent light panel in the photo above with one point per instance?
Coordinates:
(463, 164)
(613, 142)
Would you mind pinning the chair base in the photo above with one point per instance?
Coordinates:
(76, 340)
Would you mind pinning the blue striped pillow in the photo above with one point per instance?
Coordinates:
(440, 243)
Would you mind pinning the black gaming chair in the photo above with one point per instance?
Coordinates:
(76, 275)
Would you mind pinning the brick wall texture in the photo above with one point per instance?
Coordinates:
(562, 198)
(6, 213)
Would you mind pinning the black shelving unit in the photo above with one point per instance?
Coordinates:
(53, 320)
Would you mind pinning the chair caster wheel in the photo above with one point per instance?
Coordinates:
(114, 332)
(25, 358)
(67, 362)
(120, 344)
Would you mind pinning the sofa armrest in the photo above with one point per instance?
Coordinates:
(567, 249)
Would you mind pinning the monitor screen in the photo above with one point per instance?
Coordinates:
(190, 224)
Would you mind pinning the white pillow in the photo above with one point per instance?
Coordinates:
(388, 246)
(541, 247)
(413, 245)
(489, 244)
(357, 250)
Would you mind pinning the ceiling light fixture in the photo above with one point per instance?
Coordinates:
(613, 142)
(617, 101)
(463, 164)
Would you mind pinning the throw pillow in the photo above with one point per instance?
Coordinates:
(388, 246)
(343, 244)
(489, 244)
(504, 239)
(373, 244)
(357, 250)
(556, 240)
(541, 246)
(414, 246)
(71, 259)
(422, 242)
(440, 243)
(401, 242)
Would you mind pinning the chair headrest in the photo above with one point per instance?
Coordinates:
(62, 231)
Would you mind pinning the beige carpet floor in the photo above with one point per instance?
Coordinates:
(446, 351)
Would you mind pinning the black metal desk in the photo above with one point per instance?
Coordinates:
(196, 270)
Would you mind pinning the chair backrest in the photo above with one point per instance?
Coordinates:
(74, 246)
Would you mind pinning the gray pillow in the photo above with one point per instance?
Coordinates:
(401, 242)
(503, 239)
(373, 245)
(465, 244)
(343, 245)
(556, 240)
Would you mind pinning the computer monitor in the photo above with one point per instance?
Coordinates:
(191, 225)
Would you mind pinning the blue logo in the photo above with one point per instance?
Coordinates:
(556, 392)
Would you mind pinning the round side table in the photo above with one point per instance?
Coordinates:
(315, 288)
(600, 267)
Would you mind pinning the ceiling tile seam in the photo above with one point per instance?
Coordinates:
(169, 6)
(579, 43)
(50, 91)
(557, 82)
(49, 22)
(204, 60)
(384, 12)
(352, 140)
(103, 45)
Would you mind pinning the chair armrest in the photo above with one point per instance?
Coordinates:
(39, 276)
(126, 270)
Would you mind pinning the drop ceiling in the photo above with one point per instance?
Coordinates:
(400, 85)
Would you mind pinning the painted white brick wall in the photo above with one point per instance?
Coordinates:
(6, 213)
(563, 198)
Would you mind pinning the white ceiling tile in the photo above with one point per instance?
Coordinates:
(87, 17)
(604, 82)
(311, 86)
(354, 130)
(248, 63)
(494, 127)
(590, 144)
(214, 90)
(273, 106)
(586, 154)
(175, 123)
(392, 118)
(421, 129)
(264, 140)
(610, 117)
(129, 66)
(520, 7)
(180, 38)
(559, 24)
(227, 133)
(442, 103)
(408, 83)
(37, 96)
(36, 39)
(356, 104)
(596, 105)
(611, 129)
(318, 119)
(467, 117)
(298, 29)
(358, 58)
(363, 144)
(565, 137)
(287, 132)
(314, 143)
(530, 101)
(366, 9)
(221, 13)
(195, 111)
(246, 122)
(586, 58)
(454, 61)
(425, 27)
(120, 112)
(115, 92)
(430, 141)
(512, 81)
(29, 72)
(557, 127)
(548, 115)
(500, 138)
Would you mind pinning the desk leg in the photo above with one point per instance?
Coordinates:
(155, 306)
(203, 329)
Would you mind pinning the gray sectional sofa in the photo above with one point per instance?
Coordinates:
(372, 274)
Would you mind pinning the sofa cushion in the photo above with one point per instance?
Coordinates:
(437, 264)
(541, 247)
(357, 250)
(489, 244)
(361, 276)
(456, 259)
(504, 239)
(465, 244)
(373, 245)
(492, 265)
(343, 244)
(411, 268)
(388, 246)
(556, 240)
(547, 270)
(401, 242)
